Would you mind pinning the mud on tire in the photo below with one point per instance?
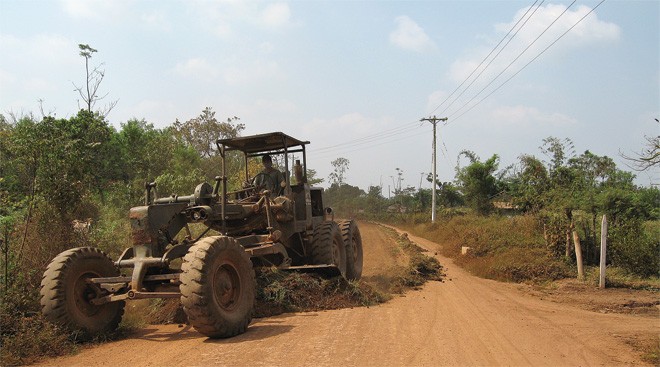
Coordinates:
(350, 233)
(218, 287)
(66, 295)
(328, 246)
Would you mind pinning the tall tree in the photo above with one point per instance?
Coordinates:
(93, 78)
(340, 166)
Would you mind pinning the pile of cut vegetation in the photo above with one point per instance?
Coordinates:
(286, 291)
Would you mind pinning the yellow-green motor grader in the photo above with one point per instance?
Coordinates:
(287, 227)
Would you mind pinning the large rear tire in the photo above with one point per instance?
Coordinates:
(350, 233)
(218, 287)
(328, 246)
(66, 293)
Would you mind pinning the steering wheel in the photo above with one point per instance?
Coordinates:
(262, 181)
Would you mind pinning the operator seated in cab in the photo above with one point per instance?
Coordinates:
(270, 178)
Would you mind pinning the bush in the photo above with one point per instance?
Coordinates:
(32, 338)
(636, 247)
(24, 334)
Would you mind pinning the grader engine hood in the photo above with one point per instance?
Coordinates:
(148, 223)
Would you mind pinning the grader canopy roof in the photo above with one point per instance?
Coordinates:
(262, 143)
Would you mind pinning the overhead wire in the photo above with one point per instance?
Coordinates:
(526, 19)
(402, 132)
(369, 146)
(529, 62)
(370, 138)
(515, 59)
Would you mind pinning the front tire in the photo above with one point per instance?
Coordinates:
(350, 233)
(328, 246)
(66, 293)
(218, 287)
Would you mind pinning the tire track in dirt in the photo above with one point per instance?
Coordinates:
(463, 321)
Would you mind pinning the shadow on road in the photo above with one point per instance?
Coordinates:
(154, 334)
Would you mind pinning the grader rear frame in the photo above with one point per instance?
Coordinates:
(84, 290)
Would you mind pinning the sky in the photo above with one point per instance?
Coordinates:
(355, 77)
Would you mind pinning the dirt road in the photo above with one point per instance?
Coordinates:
(465, 321)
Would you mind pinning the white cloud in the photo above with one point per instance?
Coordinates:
(159, 113)
(435, 99)
(38, 85)
(352, 124)
(266, 47)
(408, 35)
(6, 78)
(225, 18)
(590, 30)
(524, 115)
(277, 14)
(40, 66)
(198, 68)
(233, 72)
(248, 73)
(156, 20)
(279, 106)
(94, 9)
(56, 48)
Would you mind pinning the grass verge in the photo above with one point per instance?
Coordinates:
(500, 248)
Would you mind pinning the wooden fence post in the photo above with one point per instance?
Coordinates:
(578, 255)
(603, 252)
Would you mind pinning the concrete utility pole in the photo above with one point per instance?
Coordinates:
(434, 120)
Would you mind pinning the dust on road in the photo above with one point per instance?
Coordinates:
(464, 321)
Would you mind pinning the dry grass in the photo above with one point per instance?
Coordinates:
(502, 248)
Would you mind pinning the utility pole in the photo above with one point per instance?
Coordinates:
(434, 120)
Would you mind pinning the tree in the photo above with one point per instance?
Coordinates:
(447, 194)
(93, 79)
(340, 167)
(203, 131)
(529, 185)
(477, 182)
(649, 157)
(311, 177)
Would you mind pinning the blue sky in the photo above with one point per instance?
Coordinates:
(354, 77)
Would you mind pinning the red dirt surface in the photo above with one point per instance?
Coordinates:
(464, 321)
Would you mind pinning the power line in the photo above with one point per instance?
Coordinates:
(532, 60)
(364, 146)
(514, 60)
(486, 58)
(373, 137)
(494, 57)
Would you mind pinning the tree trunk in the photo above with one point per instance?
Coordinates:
(569, 216)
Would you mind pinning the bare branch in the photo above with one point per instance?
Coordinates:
(649, 157)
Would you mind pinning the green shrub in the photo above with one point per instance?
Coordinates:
(635, 248)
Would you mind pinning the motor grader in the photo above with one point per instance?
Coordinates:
(286, 227)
